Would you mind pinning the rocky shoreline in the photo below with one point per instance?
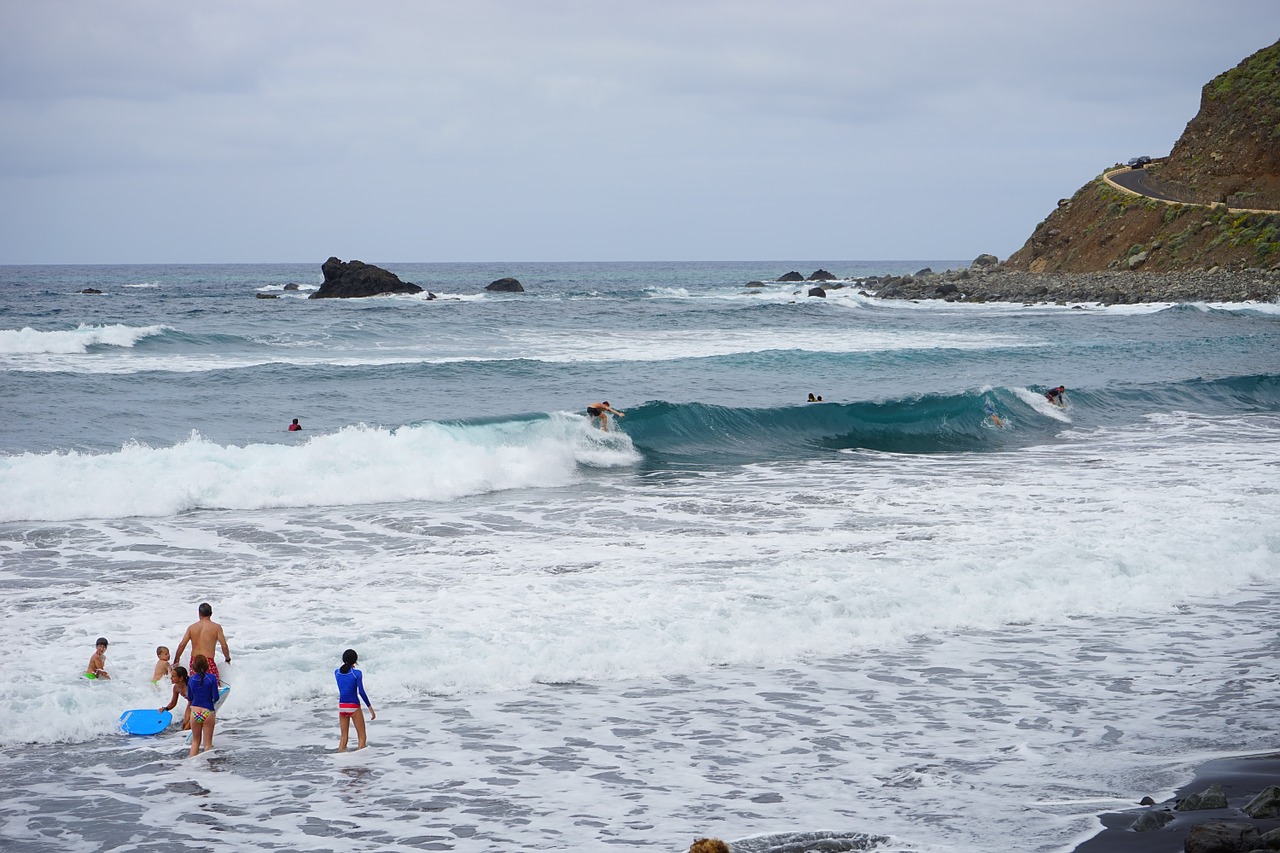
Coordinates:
(992, 283)
(1231, 806)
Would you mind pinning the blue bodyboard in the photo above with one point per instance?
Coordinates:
(145, 721)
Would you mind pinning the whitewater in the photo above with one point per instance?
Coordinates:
(933, 612)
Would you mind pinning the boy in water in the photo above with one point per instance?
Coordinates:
(163, 667)
(97, 667)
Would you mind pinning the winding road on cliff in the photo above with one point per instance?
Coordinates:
(1135, 181)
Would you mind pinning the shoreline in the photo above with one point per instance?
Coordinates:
(1241, 777)
(995, 284)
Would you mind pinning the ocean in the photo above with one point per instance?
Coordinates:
(933, 612)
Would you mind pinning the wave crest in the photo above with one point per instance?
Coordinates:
(28, 341)
(357, 465)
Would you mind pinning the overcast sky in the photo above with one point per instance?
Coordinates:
(139, 131)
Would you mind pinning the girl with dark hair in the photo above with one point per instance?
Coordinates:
(350, 692)
(202, 693)
(179, 679)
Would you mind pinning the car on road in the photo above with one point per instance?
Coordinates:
(1139, 162)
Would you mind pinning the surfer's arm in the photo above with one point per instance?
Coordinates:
(226, 652)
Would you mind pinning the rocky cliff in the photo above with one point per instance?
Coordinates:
(1228, 158)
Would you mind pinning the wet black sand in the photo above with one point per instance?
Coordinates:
(1241, 778)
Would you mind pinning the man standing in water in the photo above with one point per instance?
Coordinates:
(597, 411)
(203, 635)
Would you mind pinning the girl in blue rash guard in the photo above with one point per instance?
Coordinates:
(202, 693)
(350, 692)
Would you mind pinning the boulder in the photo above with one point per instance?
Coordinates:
(266, 296)
(792, 276)
(356, 279)
(291, 286)
(91, 290)
(817, 291)
(1212, 797)
(505, 285)
(1265, 805)
(983, 261)
(755, 284)
(1218, 836)
(822, 275)
(1151, 821)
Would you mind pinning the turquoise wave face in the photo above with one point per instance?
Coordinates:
(994, 419)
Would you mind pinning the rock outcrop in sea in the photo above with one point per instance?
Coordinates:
(505, 285)
(356, 279)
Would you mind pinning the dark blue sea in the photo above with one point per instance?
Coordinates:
(932, 612)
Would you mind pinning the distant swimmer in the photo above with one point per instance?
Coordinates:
(1054, 395)
(97, 667)
(812, 399)
(295, 426)
(599, 413)
(995, 419)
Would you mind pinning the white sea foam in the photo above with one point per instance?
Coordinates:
(603, 346)
(656, 345)
(28, 341)
(357, 465)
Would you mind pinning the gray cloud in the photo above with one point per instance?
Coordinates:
(500, 129)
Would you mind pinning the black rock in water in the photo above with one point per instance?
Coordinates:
(505, 285)
(356, 279)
